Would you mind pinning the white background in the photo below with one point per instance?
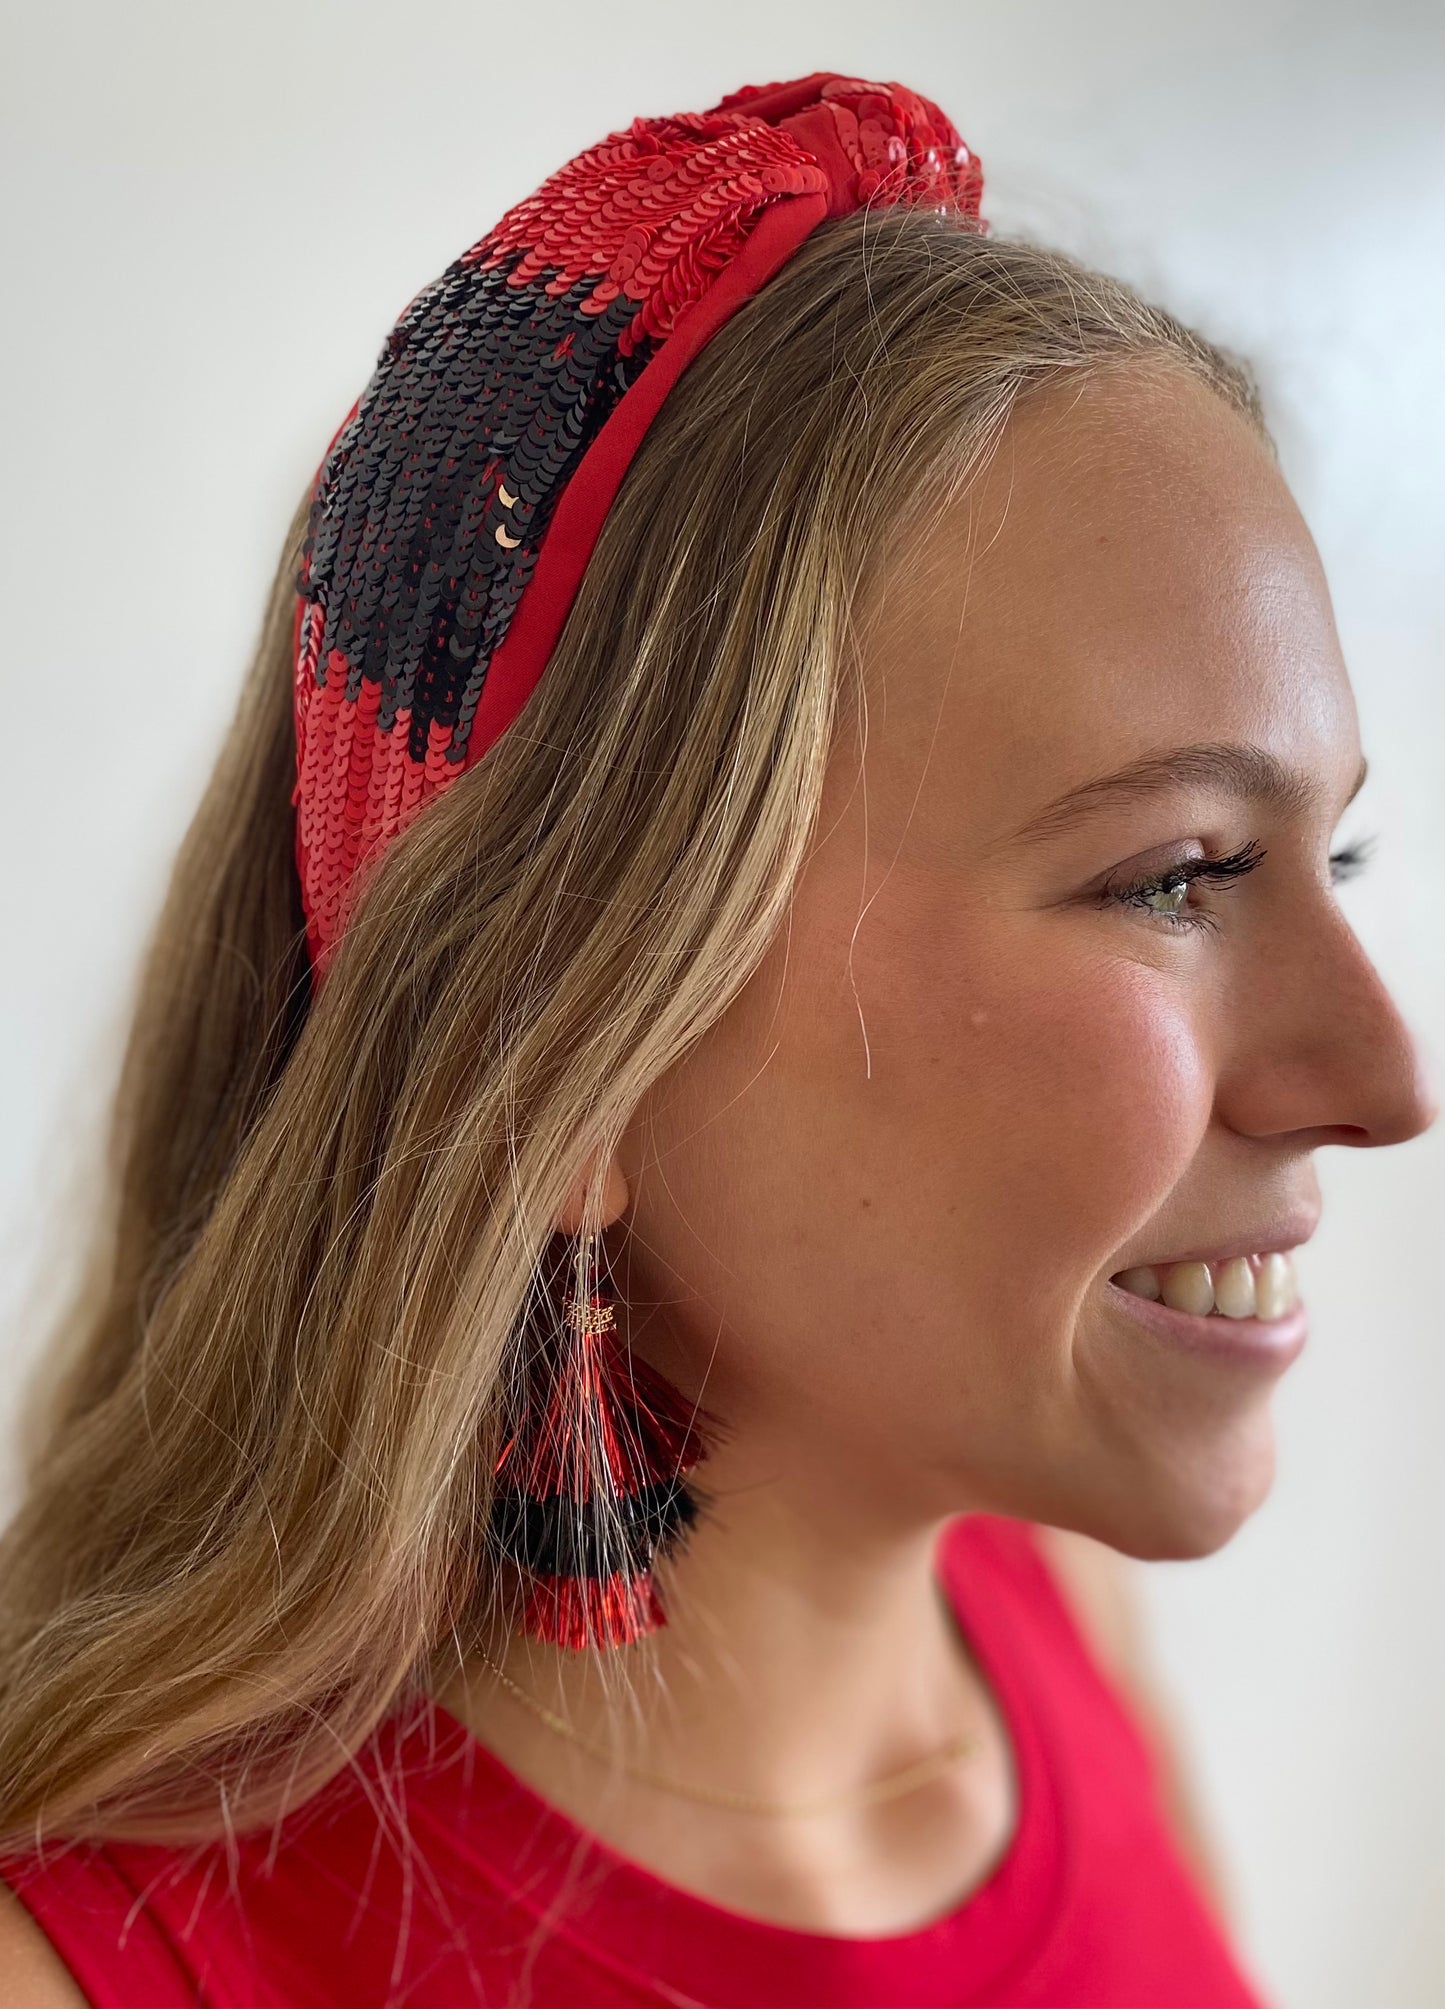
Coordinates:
(214, 213)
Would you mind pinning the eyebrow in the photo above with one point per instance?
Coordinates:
(1248, 773)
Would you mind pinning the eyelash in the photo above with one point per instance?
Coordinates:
(1222, 872)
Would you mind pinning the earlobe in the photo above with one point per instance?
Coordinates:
(615, 1196)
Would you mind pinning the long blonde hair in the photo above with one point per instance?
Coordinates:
(257, 1511)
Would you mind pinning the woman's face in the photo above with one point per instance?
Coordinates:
(879, 1207)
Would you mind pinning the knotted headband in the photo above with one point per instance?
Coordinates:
(458, 503)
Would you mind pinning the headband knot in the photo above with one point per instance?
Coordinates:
(454, 512)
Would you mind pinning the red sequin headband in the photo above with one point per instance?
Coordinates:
(455, 510)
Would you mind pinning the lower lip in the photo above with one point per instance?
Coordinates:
(1268, 1344)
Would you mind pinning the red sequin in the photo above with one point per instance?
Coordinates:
(654, 218)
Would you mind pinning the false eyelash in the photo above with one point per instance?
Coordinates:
(1216, 871)
(1353, 858)
(1223, 871)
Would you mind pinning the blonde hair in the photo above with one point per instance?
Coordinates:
(258, 1511)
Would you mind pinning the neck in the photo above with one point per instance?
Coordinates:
(808, 1652)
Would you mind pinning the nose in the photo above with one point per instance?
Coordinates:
(1329, 1052)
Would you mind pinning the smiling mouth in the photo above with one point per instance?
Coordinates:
(1260, 1288)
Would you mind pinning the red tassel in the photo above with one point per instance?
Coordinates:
(610, 1422)
(588, 1611)
(593, 1486)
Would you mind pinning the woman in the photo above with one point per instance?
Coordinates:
(647, 1304)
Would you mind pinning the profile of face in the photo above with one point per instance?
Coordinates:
(875, 1214)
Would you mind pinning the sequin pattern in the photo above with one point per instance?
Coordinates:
(430, 509)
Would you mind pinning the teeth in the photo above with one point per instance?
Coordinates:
(1143, 1282)
(1234, 1288)
(1187, 1287)
(1243, 1287)
(1275, 1287)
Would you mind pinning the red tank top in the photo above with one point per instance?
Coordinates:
(490, 1896)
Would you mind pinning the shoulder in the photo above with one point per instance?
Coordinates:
(1094, 1593)
(1101, 1588)
(32, 1974)
(1094, 1586)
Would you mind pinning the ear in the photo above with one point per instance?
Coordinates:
(615, 1196)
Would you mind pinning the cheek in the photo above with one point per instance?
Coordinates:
(892, 1182)
(1088, 1091)
(1054, 1091)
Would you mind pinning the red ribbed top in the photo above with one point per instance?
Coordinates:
(1091, 1903)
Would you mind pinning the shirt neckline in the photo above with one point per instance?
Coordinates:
(695, 1948)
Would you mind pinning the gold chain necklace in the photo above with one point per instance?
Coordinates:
(888, 1788)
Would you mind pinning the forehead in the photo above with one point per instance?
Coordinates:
(1129, 574)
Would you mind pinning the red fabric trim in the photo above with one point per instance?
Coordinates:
(517, 666)
(683, 218)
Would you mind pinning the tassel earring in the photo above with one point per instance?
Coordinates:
(590, 1479)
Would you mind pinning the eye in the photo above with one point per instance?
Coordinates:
(1163, 897)
(1345, 864)
(1171, 889)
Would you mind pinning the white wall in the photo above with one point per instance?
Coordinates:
(212, 216)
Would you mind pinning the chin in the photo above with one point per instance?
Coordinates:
(1199, 1502)
(1171, 1500)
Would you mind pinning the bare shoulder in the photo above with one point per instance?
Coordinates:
(32, 1974)
(1101, 1587)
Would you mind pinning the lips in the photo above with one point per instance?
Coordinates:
(1269, 1236)
(1252, 1344)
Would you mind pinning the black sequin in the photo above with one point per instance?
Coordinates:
(481, 387)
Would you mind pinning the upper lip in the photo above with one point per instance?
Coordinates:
(1285, 1231)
